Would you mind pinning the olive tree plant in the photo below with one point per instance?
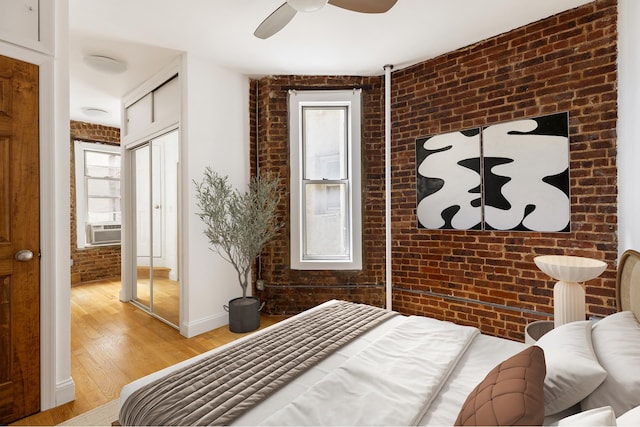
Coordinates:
(238, 224)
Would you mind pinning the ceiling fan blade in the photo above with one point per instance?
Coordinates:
(364, 6)
(275, 22)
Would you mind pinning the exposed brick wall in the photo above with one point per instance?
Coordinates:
(564, 63)
(290, 291)
(102, 262)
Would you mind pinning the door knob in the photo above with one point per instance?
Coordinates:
(24, 255)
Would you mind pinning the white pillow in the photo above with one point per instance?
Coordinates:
(616, 342)
(630, 418)
(594, 417)
(573, 371)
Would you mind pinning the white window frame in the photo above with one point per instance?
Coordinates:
(81, 194)
(331, 98)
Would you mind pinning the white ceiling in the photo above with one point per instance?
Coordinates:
(148, 34)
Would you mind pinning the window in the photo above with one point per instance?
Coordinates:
(326, 229)
(98, 213)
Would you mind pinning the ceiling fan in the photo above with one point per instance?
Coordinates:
(285, 13)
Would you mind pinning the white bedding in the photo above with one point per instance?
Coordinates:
(390, 382)
(440, 383)
(484, 353)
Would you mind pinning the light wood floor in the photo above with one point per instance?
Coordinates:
(166, 297)
(114, 343)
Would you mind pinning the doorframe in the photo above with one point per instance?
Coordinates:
(57, 386)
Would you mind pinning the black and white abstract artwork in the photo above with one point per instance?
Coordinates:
(509, 176)
(449, 181)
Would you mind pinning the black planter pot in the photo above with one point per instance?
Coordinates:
(244, 314)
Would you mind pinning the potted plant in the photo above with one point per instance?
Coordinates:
(238, 225)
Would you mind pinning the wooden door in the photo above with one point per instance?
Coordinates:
(19, 241)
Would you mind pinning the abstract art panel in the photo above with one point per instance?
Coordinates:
(526, 174)
(448, 181)
(509, 176)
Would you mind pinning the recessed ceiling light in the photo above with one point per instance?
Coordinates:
(96, 112)
(105, 64)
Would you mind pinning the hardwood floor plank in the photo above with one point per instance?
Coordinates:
(114, 343)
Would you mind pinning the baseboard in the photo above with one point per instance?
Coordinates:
(65, 391)
(191, 329)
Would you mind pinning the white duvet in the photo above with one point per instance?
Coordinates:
(391, 382)
(408, 370)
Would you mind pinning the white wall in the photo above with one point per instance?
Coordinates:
(215, 132)
(60, 232)
(628, 125)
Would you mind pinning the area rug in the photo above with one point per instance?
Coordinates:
(101, 416)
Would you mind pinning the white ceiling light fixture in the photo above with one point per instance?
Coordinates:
(95, 112)
(307, 5)
(105, 64)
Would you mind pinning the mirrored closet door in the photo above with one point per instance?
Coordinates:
(154, 181)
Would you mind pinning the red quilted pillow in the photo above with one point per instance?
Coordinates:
(512, 394)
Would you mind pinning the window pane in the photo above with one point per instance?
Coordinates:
(103, 188)
(324, 141)
(102, 165)
(103, 210)
(326, 221)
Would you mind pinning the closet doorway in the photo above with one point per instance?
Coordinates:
(154, 184)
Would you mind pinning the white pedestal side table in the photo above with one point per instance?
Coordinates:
(568, 292)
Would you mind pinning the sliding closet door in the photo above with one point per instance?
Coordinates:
(155, 186)
(164, 227)
(141, 180)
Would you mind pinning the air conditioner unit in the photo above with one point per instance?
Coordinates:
(100, 234)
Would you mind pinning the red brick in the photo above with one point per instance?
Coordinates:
(564, 63)
(91, 264)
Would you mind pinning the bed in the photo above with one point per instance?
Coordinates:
(347, 364)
